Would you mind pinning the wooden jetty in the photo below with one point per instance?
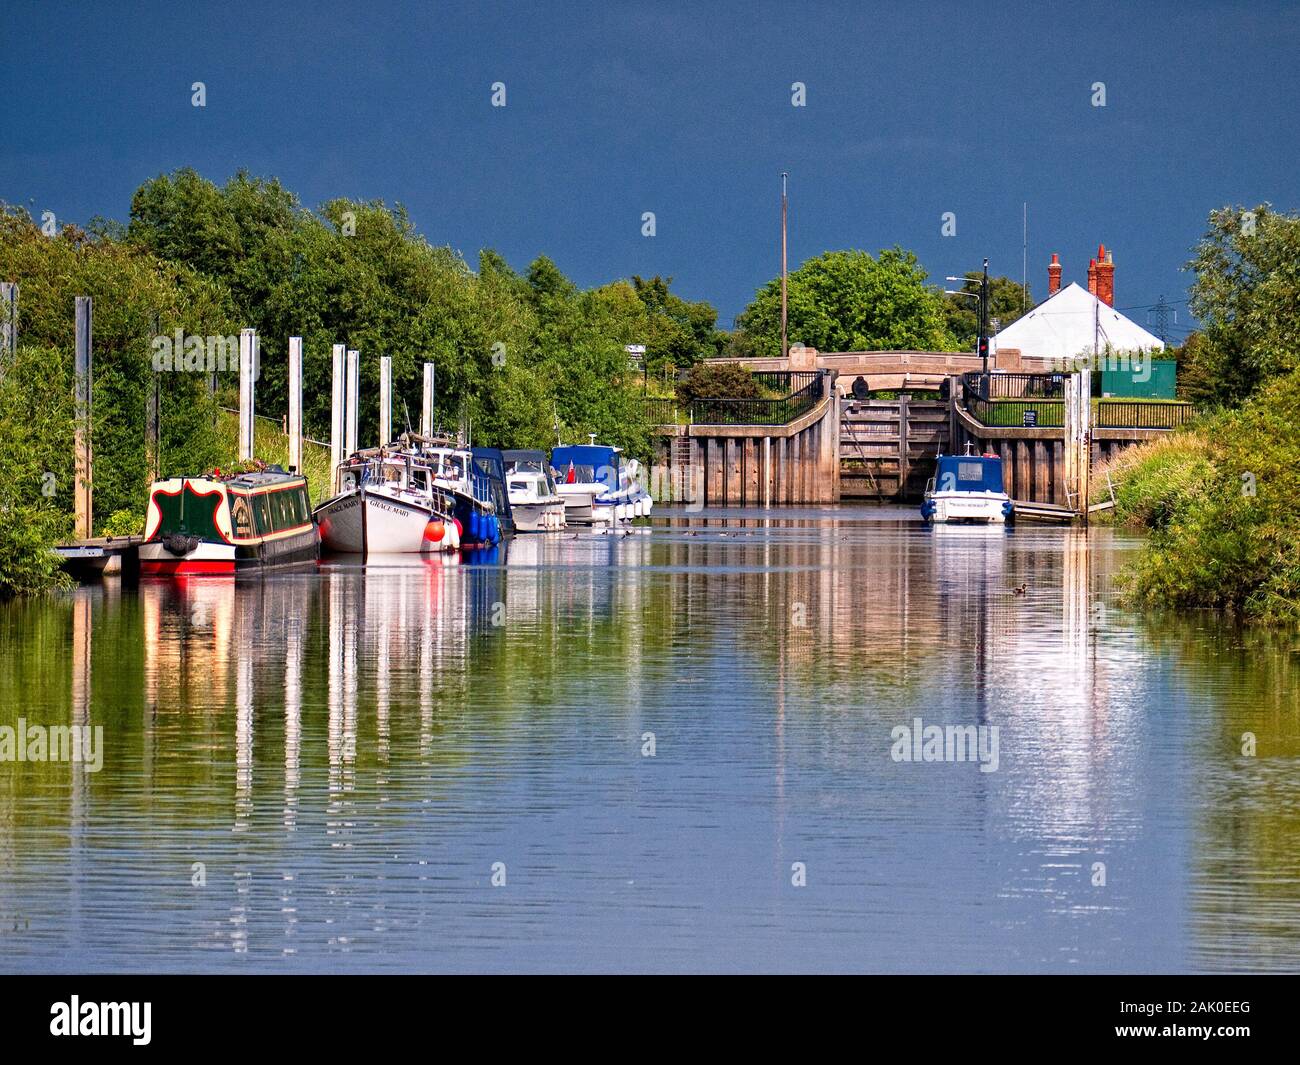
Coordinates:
(92, 557)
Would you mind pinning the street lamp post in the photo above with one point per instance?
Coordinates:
(982, 348)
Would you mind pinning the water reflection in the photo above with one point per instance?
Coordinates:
(347, 754)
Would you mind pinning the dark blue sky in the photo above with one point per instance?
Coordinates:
(614, 109)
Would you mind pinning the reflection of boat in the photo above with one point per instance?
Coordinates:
(535, 505)
(966, 488)
(598, 487)
(216, 524)
(388, 502)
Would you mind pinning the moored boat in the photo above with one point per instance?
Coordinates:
(598, 486)
(535, 505)
(215, 524)
(966, 489)
(388, 502)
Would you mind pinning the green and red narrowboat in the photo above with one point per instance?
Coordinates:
(215, 524)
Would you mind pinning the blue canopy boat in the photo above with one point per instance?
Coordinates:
(966, 488)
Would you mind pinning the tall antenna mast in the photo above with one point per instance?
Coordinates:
(785, 350)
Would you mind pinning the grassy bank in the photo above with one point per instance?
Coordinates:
(271, 445)
(1221, 500)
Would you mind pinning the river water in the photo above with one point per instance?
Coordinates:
(673, 751)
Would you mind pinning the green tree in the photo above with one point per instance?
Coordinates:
(1247, 297)
(850, 301)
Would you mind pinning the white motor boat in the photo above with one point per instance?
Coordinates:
(966, 489)
(534, 502)
(597, 486)
(388, 502)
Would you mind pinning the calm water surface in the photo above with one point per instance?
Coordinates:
(349, 755)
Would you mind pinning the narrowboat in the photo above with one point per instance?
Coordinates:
(535, 505)
(968, 489)
(598, 486)
(220, 524)
(388, 502)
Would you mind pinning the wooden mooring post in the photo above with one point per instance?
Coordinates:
(82, 492)
(385, 399)
(336, 413)
(295, 404)
(354, 389)
(1078, 441)
(247, 371)
(8, 323)
(426, 406)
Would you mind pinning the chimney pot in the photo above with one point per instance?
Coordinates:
(1054, 275)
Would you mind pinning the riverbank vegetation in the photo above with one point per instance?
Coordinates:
(1221, 498)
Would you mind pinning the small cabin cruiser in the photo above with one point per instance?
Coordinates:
(388, 502)
(535, 505)
(217, 524)
(598, 486)
(966, 488)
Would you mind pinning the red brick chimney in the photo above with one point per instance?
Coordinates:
(1092, 276)
(1054, 275)
(1105, 276)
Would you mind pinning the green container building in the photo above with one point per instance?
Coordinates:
(1157, 381)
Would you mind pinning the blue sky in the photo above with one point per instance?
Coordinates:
(617, 108)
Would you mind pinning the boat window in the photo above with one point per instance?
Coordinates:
(420, 480)
(303, 504)
(261, 514)
(519, 486)
(970, 471)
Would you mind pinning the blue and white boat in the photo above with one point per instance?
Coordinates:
(598, 486)
(966, 489)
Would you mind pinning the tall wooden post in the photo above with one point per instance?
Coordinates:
(1078, 440)
(153, 419)
(83, 495)
(354, 388)
(8, 323)
(385, 399)
(295, 404)
(337, 400)
(426, 408)
(247, 365)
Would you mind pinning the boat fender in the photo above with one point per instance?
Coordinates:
(178, 544)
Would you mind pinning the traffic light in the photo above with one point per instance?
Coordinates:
(984, 347)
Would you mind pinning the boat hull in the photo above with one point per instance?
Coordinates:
(538, 517)
(971, 508)
(361, 522)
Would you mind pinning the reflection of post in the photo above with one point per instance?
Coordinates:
(84, 388)
(1074, 597)
(243, 740)
(292, 717)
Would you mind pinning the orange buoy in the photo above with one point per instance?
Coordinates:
(434, 532)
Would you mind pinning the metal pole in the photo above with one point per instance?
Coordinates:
(385, 399)
(785, 347)
(354, 388)
(83, 493)
(984, 317)
(247, 365)
(295, 404)
(426, 408)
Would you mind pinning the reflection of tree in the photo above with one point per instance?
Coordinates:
(1245, 884)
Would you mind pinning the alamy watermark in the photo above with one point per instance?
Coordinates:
(194, 354)
(946, 743)
(53, 743)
